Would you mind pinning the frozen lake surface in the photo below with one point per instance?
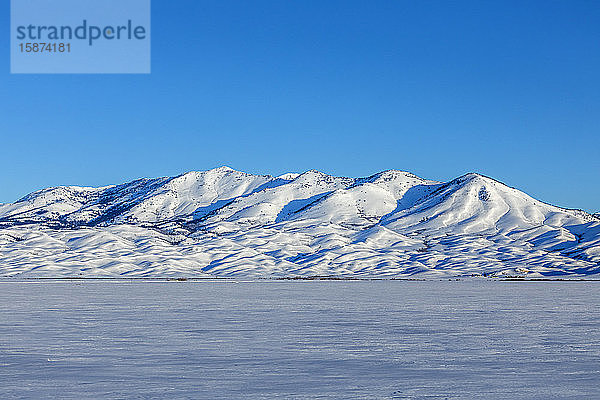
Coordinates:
(471, 339)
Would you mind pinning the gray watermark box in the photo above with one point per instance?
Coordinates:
(80, 36)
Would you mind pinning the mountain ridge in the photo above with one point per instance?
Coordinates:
(224, 222)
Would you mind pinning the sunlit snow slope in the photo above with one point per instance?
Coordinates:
(228, 223)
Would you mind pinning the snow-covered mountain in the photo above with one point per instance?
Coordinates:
(224, 222)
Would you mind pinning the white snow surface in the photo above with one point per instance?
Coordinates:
(226, 223)
(474, 339)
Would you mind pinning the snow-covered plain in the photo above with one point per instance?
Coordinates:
(226, 223)
(470, 339)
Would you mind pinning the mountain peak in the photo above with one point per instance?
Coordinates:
(314, 172)
(224, 168)
(392, 174)
(473, 176)
(476, 178)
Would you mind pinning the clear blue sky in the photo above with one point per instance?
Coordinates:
(510, 89)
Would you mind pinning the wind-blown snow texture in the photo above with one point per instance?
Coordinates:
(224, 223)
